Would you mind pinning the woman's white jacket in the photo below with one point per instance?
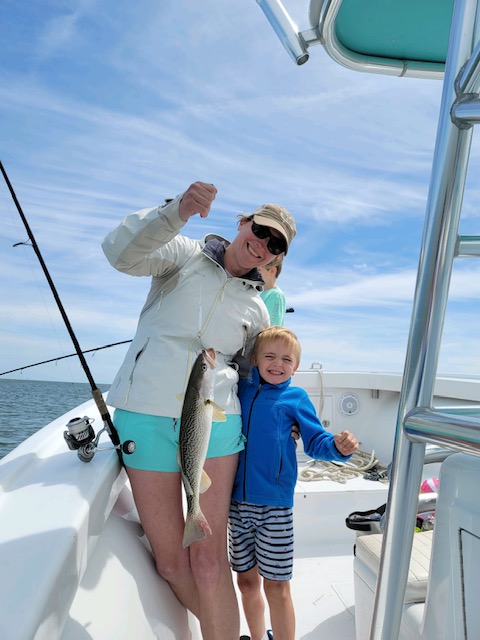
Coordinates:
(192, 304)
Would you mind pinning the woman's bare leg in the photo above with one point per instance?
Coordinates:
(219, 615)
(158, 498)
(200, 576)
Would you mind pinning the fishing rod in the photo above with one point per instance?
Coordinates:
(70, 355)
(80, 435)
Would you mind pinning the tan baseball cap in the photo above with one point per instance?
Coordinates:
(276, 217)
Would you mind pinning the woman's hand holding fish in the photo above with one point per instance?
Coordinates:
(197, 198)
(295, 433)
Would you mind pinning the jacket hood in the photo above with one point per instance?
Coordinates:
(215, 246)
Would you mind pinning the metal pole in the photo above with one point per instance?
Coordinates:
(285, 29)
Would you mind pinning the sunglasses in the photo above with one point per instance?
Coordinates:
(275, 244)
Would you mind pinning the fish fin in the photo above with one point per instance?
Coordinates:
(187, 486)
(186, 483)
(205, 481)
(218, 413)
(196, 528)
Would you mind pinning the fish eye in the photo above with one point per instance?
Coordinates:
(204, 367)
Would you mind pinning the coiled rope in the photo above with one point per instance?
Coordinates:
(360, 464)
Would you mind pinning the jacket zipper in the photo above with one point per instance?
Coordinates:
(130, 379)
(202, 329)
(246, 444)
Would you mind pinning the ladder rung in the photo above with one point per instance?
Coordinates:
(467, 112)
(455, 428)
(468, 246)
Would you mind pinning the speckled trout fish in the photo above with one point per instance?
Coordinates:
(198, 411)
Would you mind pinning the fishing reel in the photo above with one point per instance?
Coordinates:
(81, 438)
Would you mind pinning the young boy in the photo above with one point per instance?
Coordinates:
(261, 512)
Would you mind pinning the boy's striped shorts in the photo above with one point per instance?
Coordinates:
(261, 535)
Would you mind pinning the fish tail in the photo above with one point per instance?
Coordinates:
(196, 528)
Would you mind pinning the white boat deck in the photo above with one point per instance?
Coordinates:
(322, 593)
(323, 597)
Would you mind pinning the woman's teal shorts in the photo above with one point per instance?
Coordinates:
(156, 439)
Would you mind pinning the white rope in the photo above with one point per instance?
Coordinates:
(358, 465)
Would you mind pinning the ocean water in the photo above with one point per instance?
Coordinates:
(29, 405)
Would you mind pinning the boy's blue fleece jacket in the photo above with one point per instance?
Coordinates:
(267, 468)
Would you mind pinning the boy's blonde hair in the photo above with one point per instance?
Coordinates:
(277, 263)
(275, 333)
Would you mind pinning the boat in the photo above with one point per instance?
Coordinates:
(74, 560)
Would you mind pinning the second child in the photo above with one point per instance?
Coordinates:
(272, 295)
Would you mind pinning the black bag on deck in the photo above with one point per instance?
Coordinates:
(366, 521)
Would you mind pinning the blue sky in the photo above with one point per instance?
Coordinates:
(109, 107)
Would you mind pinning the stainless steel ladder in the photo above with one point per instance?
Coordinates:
(419, 422)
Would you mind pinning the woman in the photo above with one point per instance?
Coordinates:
(204, 294)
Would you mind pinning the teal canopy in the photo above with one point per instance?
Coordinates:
(404, 37)
(415, 30)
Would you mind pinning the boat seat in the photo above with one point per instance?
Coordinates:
(368, 549)
(366, 565)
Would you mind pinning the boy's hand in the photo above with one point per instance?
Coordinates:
(345, 442)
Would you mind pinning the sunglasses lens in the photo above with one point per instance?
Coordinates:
(260, 231)
(274, 245)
